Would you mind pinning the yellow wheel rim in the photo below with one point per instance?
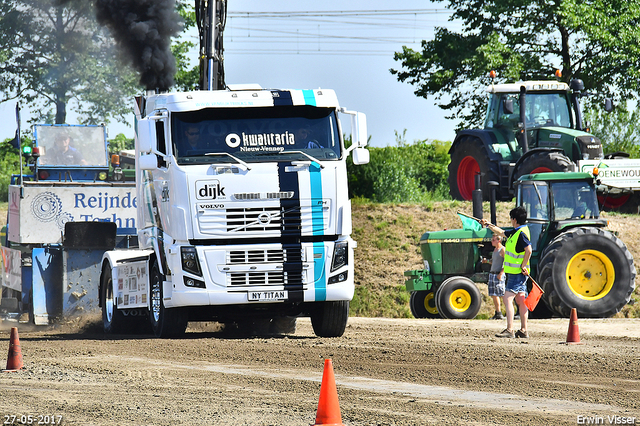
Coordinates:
(430, 304)
(590, 274)
(460, 300)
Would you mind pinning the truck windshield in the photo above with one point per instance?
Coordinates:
(82, 146)
(574, 200)
(255, 134)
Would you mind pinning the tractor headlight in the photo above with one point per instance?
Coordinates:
(190, 262)
(340, 255)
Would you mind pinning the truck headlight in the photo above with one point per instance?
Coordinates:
(340, 255)
(190, 262)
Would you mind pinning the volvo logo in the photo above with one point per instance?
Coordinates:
(264, 218)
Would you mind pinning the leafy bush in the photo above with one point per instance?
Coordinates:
(404, 173)
(9, 165)
(619, 130)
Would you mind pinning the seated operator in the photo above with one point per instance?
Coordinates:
(304, 137)
(192, 140)
(62, 153)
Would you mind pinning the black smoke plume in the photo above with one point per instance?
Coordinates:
(143, 30)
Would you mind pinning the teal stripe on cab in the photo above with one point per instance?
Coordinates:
(319, 277)
(309, 97)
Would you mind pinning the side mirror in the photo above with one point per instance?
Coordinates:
(146, 135)
(608, 105)
(576, 85)
(361, 129)
(360, 156)
(147, 162)
(507, 106)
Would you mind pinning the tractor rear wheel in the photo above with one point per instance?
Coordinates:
(589, 269)
(458, 298)
(469, 157)
(623, 203)
(543, 162)
(423, 304)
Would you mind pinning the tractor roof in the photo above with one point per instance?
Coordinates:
(532, 86)
(556, 176)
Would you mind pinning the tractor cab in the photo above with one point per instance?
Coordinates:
(556, 201)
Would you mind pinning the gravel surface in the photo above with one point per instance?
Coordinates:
(387, 371)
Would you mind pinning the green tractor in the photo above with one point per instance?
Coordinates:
(578, 263)
(534, 127)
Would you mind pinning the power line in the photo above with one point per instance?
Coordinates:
(391, 12)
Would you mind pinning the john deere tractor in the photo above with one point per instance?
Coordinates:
(530, 127)
(578, 262)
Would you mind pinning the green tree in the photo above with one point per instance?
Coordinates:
(59, 58)
(188, 76)
(597, 41)
(9, 164)
(119, 143)
(619, 130)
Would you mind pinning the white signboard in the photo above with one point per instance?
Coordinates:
(38, 217)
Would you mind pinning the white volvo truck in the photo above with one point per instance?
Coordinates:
(243, 212)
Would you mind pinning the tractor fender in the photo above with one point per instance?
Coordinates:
(487, 138)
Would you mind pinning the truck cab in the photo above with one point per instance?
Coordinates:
(243, 209)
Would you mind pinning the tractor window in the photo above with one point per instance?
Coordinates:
(534, 197)
(548, 109)
(574, 200)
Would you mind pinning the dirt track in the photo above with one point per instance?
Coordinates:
(388, 372)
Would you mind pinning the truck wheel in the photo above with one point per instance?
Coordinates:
(589, 269)
(543, 162)
(469, 157)
(458, 298)
(423, 304)
(329, 319)
(165, 322)
(113, 320)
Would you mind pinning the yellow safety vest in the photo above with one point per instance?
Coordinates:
(513, 259)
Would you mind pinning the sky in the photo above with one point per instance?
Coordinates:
(344, 45)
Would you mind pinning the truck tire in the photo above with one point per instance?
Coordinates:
(329, 319)
(113, 320)
(469, 157)
(589, 269)
(423, 304)
(458, 298)
(165, 322)
(542, 162)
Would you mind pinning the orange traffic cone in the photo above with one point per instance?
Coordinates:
(328, 407)
(14, 360)
(573, 335)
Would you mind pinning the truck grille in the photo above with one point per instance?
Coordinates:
(265, 278)
(274, 220)
(243, 257)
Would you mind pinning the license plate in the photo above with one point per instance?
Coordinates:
(267, 296)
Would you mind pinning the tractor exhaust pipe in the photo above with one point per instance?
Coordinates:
(523, 120)
(476, 198)
(494, 189)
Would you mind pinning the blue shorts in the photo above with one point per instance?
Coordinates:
(496, 286)
(516, 283)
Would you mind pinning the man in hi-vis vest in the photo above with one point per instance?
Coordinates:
(517, 252)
